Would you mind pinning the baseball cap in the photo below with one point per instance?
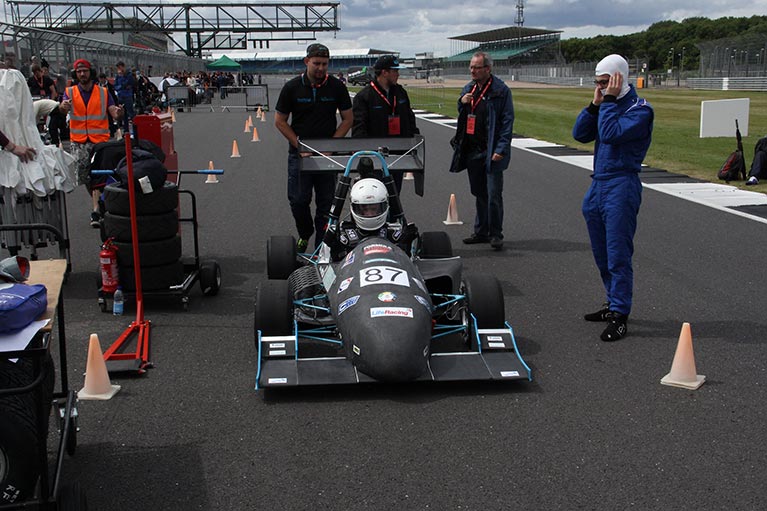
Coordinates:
(386, 62)
(317, 50)
(81, 62)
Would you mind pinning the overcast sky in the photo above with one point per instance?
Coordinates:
(417, 26)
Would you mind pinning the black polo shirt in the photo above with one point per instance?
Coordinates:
(40, 88)
(313, 109)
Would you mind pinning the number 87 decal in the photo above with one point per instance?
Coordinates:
(383, 275)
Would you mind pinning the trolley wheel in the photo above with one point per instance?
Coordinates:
(435, 244)
(274, 309)
(72, 498)
(484, 299)
(210, 278)
(280, 256)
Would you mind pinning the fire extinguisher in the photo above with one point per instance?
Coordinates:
(110, 278)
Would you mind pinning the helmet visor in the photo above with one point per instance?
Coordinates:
(369, 210)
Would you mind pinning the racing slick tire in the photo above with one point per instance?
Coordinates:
(162, 200)
(274, 309)
(151, 253)
(484, 299)
(150, 227)
(435, 245)
(210, 278)
(280, 257)
(153, 278)
(19, 468)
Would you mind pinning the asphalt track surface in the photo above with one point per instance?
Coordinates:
(594, 429)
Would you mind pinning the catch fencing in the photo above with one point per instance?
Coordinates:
(219, 99)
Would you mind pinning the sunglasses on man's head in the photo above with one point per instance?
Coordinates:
(601, 82)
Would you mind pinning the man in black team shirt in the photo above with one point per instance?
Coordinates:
(312, 100)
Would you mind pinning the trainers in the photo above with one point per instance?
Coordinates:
(496, 243)
(301, 245)
(476, 238)
(616, 327)
(600, 315)
(95, 220)
(752, 181)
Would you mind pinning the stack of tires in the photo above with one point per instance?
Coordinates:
(19, 440)
(159, 241)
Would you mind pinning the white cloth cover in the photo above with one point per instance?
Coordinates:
(53, 168)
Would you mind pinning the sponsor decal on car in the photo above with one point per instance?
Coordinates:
(494, 338)
(352, 234)
(376, 248)
(402, 312)
(380, 260)
(356, 349)
(387, 296)
(424, 302)
(388, 275)
(349, 260)
(509, 374)
(344, 239)
(396, 234)
(347, 303)
(344, 284)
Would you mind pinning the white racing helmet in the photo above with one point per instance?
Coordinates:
(370, 205)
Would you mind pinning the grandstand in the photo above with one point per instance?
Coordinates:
(509, 47)
(292, 62)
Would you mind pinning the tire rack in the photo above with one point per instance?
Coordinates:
(49, 487)
(192, 266)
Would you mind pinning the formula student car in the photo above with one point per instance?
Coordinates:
(381, 313)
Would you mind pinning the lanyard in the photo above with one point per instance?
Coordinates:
(392, 105)
(315, 87)
(475, 101)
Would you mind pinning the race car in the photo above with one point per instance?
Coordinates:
(380, 314)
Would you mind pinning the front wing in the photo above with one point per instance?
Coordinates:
(496, 358)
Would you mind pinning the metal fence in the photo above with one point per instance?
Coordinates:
(61, 50)
(737, 83)
(247, 97)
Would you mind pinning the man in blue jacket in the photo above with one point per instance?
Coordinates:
(125, 87)
(620, 124)
(482, 145)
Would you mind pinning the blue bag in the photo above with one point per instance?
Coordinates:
(21, 304)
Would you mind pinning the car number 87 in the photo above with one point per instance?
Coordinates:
(383, 275)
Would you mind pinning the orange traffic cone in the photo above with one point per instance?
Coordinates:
(97, 384)
(408, 176)
(235, 150)
(263, 115)
(683, 373)
(452, 212)
(172, 116)
(250, 120)
(255, 135)
(247, 125)
(259, 111)
(212, 179)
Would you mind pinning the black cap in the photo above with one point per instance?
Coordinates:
(317, 50)
(386, 62)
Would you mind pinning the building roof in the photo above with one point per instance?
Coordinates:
(503, 34)
(334, 53)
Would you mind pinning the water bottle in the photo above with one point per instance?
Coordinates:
(118, 302)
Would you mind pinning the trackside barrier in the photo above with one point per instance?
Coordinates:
(219, 99)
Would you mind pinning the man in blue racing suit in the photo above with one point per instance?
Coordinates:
(620, 124)
(369, 209)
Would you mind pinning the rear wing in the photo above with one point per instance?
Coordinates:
(400, 154)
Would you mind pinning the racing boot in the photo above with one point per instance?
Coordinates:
(616, 326)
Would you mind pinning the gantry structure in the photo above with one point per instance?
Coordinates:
(206, 26)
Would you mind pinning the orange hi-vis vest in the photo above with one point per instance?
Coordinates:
(94, 125)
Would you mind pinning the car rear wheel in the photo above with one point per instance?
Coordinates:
(484, 299)
(436, 244)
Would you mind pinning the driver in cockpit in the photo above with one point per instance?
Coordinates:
(369, 211)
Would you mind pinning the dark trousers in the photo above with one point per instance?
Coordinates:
(759, 165)
(610, 209)
(487, 189)
(300, 187)
(57, 126)
(127, 102)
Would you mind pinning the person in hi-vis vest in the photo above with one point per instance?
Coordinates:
(88, 106)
